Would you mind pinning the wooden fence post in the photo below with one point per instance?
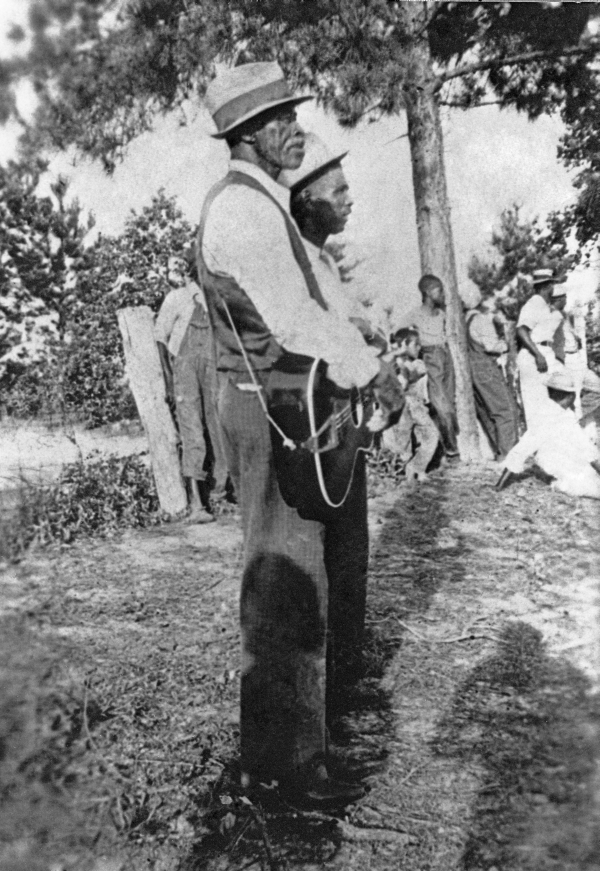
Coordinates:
(144, 372)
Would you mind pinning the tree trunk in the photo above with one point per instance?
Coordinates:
(436, 245)
(144, 371)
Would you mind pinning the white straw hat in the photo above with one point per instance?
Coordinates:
(240, 93)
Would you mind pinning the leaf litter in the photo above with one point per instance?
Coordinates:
(477, 717)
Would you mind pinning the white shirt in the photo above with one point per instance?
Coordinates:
(482, 330)
(329, 280)
(431, 326)
(175, 314)
(245, 237)
(542, 320)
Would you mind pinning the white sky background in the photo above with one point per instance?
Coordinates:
(493, 159)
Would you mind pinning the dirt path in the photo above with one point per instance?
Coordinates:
(480, 705)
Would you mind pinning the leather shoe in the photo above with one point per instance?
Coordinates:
(504, 480)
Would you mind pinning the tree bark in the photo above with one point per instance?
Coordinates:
(434, 230)
(144, 371)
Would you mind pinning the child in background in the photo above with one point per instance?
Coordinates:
(415, 437)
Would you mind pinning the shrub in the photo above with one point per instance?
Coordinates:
(100, 496)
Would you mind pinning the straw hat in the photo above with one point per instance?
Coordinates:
(317, 159)
(240, 93)
(546, 276)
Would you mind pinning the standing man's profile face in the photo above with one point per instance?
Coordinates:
(331, 200)
(280, 139)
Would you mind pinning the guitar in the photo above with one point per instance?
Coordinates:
(328, 428)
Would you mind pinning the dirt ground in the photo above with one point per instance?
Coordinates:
(479, 714)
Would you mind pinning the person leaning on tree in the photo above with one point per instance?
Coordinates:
(494, 403)
(186, 350)
(429, 319)
(263, 297)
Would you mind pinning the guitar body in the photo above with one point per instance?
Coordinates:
(328, 427)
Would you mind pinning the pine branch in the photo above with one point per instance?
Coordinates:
(429, 20)
(456, 104)
(514, 60)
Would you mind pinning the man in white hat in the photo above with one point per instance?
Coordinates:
(263, 297)
(321, 205)
(536, 361)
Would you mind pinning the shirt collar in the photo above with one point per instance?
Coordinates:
(318, 253)
(277, 191)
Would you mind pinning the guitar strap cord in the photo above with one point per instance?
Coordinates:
(288, 442)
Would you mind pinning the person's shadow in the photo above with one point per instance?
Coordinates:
(404, 576)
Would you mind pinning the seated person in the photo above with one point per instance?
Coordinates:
(415, 437)
(561, 449)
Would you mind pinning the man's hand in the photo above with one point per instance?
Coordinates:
(541, 362)
(389, 396)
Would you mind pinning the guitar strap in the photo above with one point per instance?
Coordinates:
(288, 442)
(301, 257)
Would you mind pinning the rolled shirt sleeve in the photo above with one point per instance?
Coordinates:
(539, 318)
(246, 238)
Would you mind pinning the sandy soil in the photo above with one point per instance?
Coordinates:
(480, 705)
(35, 452)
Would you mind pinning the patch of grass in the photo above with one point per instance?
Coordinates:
(95, 497)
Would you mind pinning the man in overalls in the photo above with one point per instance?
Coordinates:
(186, 349)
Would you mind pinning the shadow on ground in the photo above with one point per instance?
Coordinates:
(530, 720)
(408, 567)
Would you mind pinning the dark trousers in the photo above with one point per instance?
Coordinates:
(441, 387)
(289, 608)
(495, 406)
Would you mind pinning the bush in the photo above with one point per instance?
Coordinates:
(82, 372)
(100, 496)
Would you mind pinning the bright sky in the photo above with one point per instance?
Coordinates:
(493, 160)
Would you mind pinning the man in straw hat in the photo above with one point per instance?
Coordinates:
(262, 297)
(536, 360)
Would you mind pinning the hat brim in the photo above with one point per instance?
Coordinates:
(316, 173)
(290, 101)
(541, 281)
